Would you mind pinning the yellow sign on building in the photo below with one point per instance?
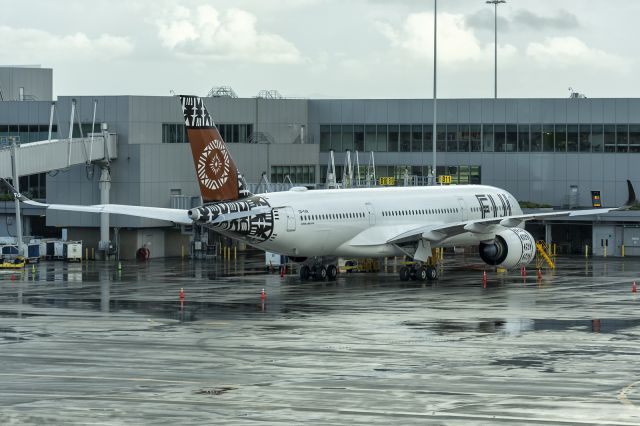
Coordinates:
(388, 181)
(444, 179)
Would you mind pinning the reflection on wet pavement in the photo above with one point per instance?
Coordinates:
(87, 343)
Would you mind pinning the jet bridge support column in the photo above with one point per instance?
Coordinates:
(105, 187)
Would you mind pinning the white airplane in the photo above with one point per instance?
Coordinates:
(355, 223)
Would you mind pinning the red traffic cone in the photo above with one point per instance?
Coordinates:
(263, 295)
(182, 294)
(634, 287)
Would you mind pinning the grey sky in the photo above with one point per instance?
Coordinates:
(326, 48)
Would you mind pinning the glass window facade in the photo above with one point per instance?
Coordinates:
(482, 137)
(26, 133)
(298, 174)
(231, 133)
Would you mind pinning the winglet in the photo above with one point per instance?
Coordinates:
(632, 195)
(19, 196)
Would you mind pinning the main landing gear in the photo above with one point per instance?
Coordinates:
(418, 273)
(318, 272)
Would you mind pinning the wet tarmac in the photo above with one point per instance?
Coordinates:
(88, 344)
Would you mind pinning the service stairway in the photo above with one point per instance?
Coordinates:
(56, 154)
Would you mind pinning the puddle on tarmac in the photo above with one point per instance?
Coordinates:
(522, 325)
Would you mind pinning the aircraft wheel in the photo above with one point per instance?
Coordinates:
(322, 273)
(432, 273)
(413, 273)
(422, 274)
(332, 272)
(404, 274)
(305, 273)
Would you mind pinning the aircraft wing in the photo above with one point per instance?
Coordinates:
(440, 232)
(436, 233)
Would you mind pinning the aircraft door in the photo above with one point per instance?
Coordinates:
(291, 219)
(463, 209)
(371, 213)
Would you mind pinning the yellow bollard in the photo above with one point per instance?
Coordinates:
(182, 251)
(622, 250)
(234, 253)
(586, 251)
(554, 249)
(605, 251)
(93, 253)
(86, 253)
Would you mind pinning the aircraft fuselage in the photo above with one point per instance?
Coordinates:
(358, 222)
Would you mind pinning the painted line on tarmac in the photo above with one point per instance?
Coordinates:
(134, 379)
(623, 395)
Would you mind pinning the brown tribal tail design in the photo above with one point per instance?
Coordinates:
(217, 173)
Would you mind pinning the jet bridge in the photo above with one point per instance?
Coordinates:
(55, 154)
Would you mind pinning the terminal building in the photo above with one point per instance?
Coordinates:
(549, 153)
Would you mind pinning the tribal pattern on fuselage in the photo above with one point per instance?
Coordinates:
(254, 229)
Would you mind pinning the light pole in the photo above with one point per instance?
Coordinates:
(432, 176)
(495, 4)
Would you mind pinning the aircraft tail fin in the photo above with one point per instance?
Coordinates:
(217, 173)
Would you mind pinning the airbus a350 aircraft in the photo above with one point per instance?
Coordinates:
(364, 222)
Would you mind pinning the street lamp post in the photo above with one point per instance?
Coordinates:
(495, 4)
(432, 175)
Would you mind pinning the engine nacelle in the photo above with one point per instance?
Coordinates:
(511, 248)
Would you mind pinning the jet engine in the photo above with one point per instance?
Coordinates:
(511, 248)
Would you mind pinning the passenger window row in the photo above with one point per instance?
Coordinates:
(489, 209)
(333, 216)
(418, 212)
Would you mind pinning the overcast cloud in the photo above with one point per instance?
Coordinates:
(326, 48)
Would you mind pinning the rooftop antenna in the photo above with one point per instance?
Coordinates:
(222, 92)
